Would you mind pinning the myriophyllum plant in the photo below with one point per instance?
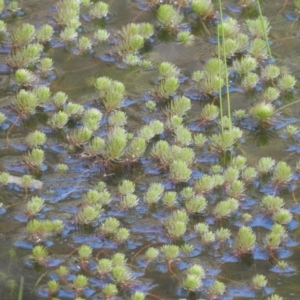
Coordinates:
(25, 102)
(168, 16)
(270, 204)
(109, 290)
(282, 216)
(244, 241)
(59, 99)
(225, 208)
(91, 119)
(170, 199)
(258, 281)
(68, 34)
(40, 255)
(258, 49)
(79, 136)
(203, 8)
(167, 87)
(225, 141)
(195, 204)
(59, 120)
(258, 27)
(209, 113)
(53, 287)
(176, 223)
(84, 44)
(101, 35)
(111, 92)
(286, 82)
(44, 33)
(74, 109)
(245, 65)
(154, 193)
(117, 118)
(216, 290)
(24, 77)
(270, 72)
(68, 13)
(23, 34)
(179, 106)
(263, 112)
(115, 144)
(270, 94)
(35, 158)
(98, 10)
(167, 69)
(35, 139)
(80, 282)
(25, 56)
(34, 206)
(265, 165)
(282, 173)
(88, 214)
(42, 94)
(179, 171)
(185, 38)
(249, 81)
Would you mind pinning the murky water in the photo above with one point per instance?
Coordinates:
(63, 192)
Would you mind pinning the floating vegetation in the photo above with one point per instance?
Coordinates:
(123, 168)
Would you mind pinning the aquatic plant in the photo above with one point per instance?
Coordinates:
(249, 81)
(263, 112)
(154, 193)
(282, 216)
(25, 56)
(79, 283)
(23, 34)
(24, 77)
(168, 16)
(101, 35)
(170, 199)
(109, 290)
(34, 206)
(36, 138)
(244, 240)
(216, 289)
(185, 38)
(258, 27)
(111, 92)
(176, 223)
(258, 49)
(44, 33)
(68, 13)
(79, 136)
(91, 119)
(204, 9)
(40, 255)
(84, 44)
(245, 65)
(4, 178)
(98, 10)
(270, 94)
(35, 158)
(167, 87)
(25, 102)
(59, 120)
(88, 214)
(226, 140)
(286, 82)
(282, 173)
(68, 34)
(225, 208)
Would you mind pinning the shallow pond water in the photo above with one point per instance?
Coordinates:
(66, 193)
